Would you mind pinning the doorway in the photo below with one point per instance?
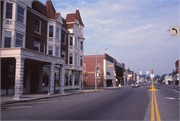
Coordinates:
(34, 81)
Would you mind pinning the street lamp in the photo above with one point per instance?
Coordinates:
(96, 67)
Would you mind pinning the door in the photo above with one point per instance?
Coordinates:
(34, 81)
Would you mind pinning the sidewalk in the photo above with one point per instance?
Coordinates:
(7, 99)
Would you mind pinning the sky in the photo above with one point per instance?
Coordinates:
(134, 31)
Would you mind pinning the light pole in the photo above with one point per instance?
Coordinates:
(96, 67)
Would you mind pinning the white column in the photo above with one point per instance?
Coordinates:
(62, 79)
(80, 80)
(18, 89)
(51, 79)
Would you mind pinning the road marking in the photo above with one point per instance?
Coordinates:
(46, 102)
(157, 111)
(169, 98)
(154, 102)
(176, 91)
(20, 107)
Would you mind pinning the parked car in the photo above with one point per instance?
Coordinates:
(144, 83)
(136, 85)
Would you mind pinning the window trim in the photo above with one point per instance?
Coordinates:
(58, 33)
(64, 54)
(57, 51)
(19, 39)
(10, 11)
(76, 42)
(20, 14)
(52, 30)
(64, 39)
(70, 55)
(49, 49)
(75, 59)
(7, 37)
(81, 45)
(39, 26)
(70, 41)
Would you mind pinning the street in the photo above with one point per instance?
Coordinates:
(124, 103)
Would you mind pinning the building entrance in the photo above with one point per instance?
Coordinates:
(34, 81)
(109, 83)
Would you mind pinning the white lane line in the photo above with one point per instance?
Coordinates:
(176, 91)
(20, 107)
(171, 98)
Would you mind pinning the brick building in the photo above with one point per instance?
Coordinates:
(35, 48)
(106, 75)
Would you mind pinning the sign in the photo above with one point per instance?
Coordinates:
(110, 65)
(174, 31)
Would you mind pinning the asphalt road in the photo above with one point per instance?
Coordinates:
(125, 103)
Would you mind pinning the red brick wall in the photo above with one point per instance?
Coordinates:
(90, 61)
(31, 36)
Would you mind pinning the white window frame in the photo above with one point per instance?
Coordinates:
(50, 49)
(82, 45)
(70, 41)
(75, 43)
(9, 11)
(75, 59)
(52, 30)
(63, 53)
(19, 39)
(20, 14)
(8, 37)
(37, 46)
(57, 51)
(57, 33)
(70, 55)
(39, 26)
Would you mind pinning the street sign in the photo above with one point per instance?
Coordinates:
(174, 31)
(110, 65)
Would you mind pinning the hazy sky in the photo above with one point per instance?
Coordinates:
(135, 31)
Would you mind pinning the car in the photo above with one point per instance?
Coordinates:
(144, 83)
(136, 85)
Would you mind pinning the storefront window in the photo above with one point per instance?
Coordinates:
(45, 76)
(76, 78)
(57, 77)
(70, 78)
(66, 78)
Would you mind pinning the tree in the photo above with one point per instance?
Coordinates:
(157, 77)
(162, 78)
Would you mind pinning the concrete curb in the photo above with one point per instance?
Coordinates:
(92, 91)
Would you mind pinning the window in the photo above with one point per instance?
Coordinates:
(36, 46)
(57, 51)
(63, 38)
(75, 42)
(81, 45)
(70, 58)
(50, 31)
(75, 59)
(7, 39)
(81, 61)
(9, 10)
(43, 48)
(20, 14)
(37, 25)
(57, 33)
(19, 40)
(71, 41)
(50, 50)
(63, 54)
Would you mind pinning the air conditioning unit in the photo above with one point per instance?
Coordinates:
(8, 22)
(50, 39)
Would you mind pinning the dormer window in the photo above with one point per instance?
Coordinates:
(9, 7)
(50, 31)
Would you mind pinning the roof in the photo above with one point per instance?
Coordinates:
(79, 17)
(39, 7)
(51, 12)
(70, 26)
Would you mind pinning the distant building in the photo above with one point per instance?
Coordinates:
(106, 75)
(176, 73)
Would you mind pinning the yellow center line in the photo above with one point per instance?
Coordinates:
(156, 107)
(152, 108)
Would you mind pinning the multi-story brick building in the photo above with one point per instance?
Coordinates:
(106, 75)
(35, 45)
(176, 73)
